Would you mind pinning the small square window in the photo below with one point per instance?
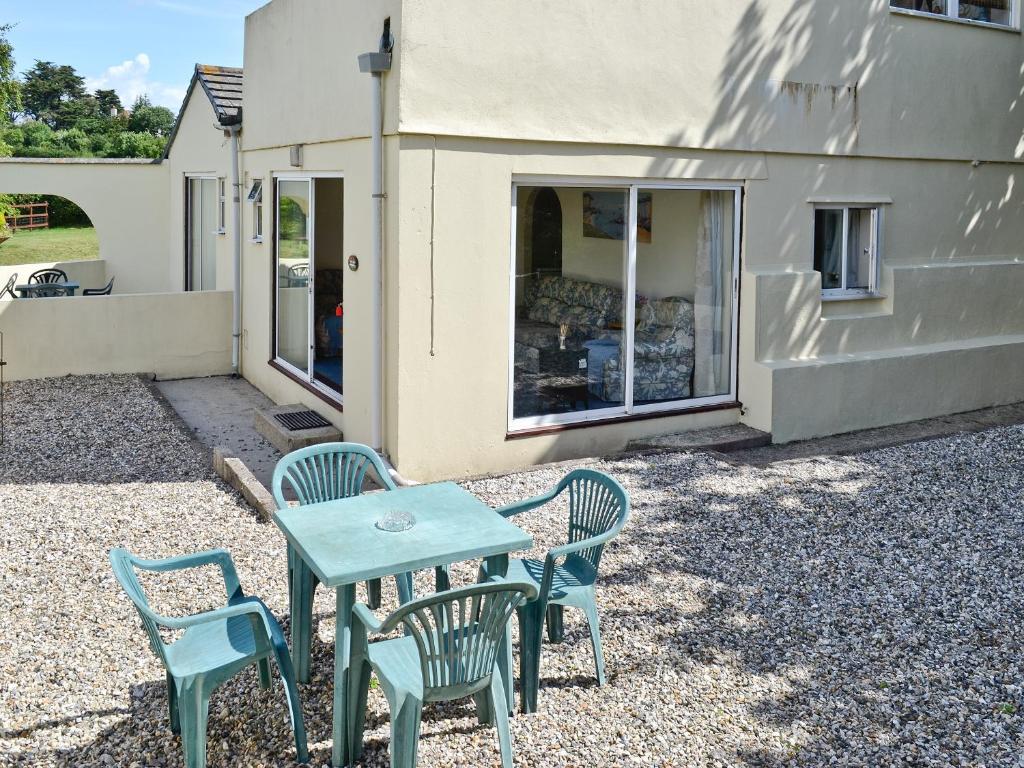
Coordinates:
(846, 250)
(256, 198)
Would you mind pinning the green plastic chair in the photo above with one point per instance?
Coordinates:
(456, 645)
(598, 508)
(216, 646)
(316, 474)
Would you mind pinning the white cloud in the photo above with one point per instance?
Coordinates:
(131, 79)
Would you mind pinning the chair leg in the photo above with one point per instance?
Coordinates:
(556, 629)
(484, 709)
(302, 619)
(405, 589)
(194, 712)
(442, 578)
(531, 629)
(373, 594)
(595, 638)
(359, 687)
(291, 692)
(172, 704)
(263, 665)
(405, 732)
(496, 694)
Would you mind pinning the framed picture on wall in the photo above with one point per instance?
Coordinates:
(604, 216)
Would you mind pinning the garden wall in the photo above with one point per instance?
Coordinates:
(173, 335)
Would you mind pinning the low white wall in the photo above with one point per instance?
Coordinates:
(174, 335)
(842, 393)
(91, 273)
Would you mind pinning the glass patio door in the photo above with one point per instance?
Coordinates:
(294, 274)
(201, 242)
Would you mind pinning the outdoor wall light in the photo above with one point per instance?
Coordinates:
(295, 155)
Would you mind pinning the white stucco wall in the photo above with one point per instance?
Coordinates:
(127, 201)
(804, 76)
(302, 79)
(174, 335)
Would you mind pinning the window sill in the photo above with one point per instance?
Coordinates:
(518, 434)
(965, 22)
(860, 296)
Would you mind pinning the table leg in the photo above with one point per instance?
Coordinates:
(302, 622)
(497, 565)
(341, 752)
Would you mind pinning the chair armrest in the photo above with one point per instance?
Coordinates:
(367, 618)
(557, 553)
(527, 504)
(252, 608)
(220, 557)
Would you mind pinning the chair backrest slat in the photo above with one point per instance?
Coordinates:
(597, 505)
(52, 275)
(327, 472)
(458, 633)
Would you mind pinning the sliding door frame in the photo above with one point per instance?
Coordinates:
(191, 278)
(633, 186)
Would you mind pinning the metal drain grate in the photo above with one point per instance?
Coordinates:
(300, 420)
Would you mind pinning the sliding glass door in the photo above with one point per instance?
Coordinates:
(309, 280)
(637, 311)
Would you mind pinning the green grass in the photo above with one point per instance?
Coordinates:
(33, 246)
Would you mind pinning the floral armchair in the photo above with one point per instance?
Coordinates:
(663, 357)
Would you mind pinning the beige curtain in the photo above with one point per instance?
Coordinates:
(712, 306)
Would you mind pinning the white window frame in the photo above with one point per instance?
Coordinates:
(953, 14)
(222, 205)
(256, 198)
(874, 269)
(307, 376)
(633, 187)
(194, 282)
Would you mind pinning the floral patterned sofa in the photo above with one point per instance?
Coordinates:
(663, 355)
(664, 337)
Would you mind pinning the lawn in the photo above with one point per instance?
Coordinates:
(35, 246)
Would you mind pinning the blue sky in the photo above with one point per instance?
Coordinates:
(133, 46)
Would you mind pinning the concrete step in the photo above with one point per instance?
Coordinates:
(287, 440)
(721, 439)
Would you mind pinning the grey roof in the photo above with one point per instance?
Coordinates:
(223, 87)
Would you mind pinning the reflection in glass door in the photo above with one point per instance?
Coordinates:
(310, 280)
(294, 277)
(201, 245)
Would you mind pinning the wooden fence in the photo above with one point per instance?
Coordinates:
(30, 216)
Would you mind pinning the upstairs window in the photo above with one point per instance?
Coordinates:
(846, 251)
(1002, 13)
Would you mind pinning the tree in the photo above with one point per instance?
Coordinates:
(145, 118)
(108, 102)
(136, 144)
(10, 99)
(55, 95)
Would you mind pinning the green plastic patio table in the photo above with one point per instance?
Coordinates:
(340, 542)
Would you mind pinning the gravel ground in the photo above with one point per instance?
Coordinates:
(860, 610)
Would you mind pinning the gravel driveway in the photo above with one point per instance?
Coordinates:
(863, 610)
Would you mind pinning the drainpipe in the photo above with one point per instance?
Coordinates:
(376, 64)
(236, 261)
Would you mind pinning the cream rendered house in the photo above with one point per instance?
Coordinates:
(799, 215)
(480, 235)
